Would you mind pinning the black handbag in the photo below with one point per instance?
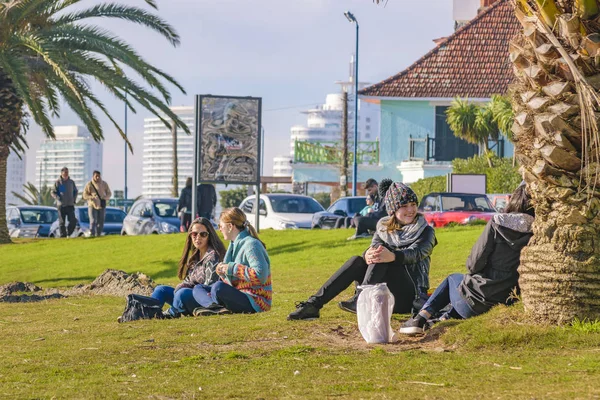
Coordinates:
(102, 201)
(141, 307)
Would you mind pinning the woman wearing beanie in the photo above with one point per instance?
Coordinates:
(399, 255)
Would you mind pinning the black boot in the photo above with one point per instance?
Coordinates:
(350, 304)
(305, 310)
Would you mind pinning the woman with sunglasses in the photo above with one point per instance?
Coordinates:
(207, 250)
(245, 285)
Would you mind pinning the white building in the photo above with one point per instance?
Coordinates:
(324, 122)
(282, 167)
(73, 148)
(15, 177)
(157, 177)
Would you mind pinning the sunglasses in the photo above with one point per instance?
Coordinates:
(202, 234)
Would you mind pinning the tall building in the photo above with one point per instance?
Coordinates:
(73, 148)
(15, 177)
(157, 174)
(324, 122)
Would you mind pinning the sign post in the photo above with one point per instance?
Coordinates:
(227, 143)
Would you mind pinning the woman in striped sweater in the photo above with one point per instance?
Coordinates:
(245, 274)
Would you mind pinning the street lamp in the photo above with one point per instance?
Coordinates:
(352, 19)
(125, 180)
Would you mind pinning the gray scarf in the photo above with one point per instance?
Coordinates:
(404, 237)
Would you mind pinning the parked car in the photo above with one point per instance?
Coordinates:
(113, 223)
(341, 208)
(440, 209)
(151, 216)
(30, 221)
(499, 201)
(282, 211)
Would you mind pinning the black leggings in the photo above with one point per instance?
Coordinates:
(357, 270)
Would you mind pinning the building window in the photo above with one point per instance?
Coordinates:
(368, 127)
(368, 119)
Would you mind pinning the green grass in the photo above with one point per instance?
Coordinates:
(73, 348)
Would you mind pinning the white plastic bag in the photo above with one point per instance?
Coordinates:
(374, 311)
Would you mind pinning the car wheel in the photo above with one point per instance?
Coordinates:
(155, 233)
(317, 227)
(123, 233)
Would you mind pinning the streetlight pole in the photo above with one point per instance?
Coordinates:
(125, 182)
(352, 19)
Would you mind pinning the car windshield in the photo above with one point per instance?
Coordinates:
(166, 209)
(295, 205)
(356, 205)
(33, 216)
(463, 202)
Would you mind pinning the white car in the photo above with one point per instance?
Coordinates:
(282, 211)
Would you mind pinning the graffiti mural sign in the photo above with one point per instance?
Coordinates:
(229, 139)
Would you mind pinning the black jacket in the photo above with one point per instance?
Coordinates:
(206, 199)
(378, 209)
(494, 260)
(416, 256)
(185, 200)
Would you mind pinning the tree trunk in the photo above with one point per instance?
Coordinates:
(560, 268)
(11, 114)
(175, 189)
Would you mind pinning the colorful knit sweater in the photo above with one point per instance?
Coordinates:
(249, 270)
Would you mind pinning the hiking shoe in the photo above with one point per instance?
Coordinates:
(348, 305)
(414, 325)
(205, 312)
(364, 235)
(168, 314)
(304, 311)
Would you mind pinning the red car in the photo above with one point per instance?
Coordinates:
(440, 209)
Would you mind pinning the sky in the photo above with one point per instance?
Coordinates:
(289, 52)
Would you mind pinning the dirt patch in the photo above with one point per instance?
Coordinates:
(110, 283)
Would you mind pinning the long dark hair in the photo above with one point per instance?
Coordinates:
(520, 202)
(214, 242)
(237, 218)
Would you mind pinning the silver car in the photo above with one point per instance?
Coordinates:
(152, 216)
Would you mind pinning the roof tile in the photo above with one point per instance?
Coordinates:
(472, 62)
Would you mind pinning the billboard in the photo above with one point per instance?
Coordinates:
(228, 130)
(467, 183)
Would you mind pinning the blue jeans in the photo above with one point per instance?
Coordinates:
(181, 302)
(225, 295)
(447, 293)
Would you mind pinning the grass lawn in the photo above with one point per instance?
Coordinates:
(73, 348)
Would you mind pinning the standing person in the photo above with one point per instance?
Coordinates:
(367, 223)
(399, 255)
(206, 200)
(492, 268)
(65, 193)
(207, 250)
(245, 285)
(97, 193)
(184, 206)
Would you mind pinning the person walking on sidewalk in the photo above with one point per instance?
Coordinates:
(97, 193)
(65, 194)
(399, 256)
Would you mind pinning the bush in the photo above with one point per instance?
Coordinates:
(323, 198)
(425, 186)
(502, 178)
(233, 197)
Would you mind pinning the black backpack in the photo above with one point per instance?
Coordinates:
(141, 307)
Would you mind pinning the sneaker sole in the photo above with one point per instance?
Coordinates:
(302, 319)
(412, 331)
(346, 309)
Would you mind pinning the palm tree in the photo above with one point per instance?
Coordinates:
(474, 124)
(32, 196)
(49, 54)
(555, 101)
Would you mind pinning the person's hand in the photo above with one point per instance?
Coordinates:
(221, 269)
(379, 255)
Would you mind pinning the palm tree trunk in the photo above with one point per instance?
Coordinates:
(11, 115)
(4, 237)
(556, 141)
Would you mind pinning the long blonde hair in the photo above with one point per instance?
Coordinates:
(238, 218)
